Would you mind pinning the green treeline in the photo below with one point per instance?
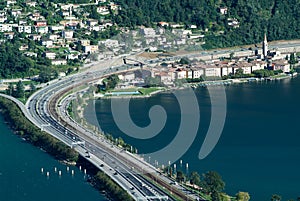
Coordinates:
(143, 12)
(279, 19)
(56, 148)
(115, 192)
(104, 183)
(39, 138)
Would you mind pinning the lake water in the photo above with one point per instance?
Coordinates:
(259, 149)
(21, 178)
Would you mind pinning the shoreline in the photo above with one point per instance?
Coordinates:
(110, 187)
(196, 85)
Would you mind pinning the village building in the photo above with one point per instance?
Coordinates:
(23, 47)
(24, 29)
(40, 23)
(127, 76)
(57, 28)
(90, 49)
(233, 22)
(31, 3)
(92, 22)
(103, 10)
(148, 32)
(3, 18)
(53, 37)
(67, 34)
(57, 62)
(16, 12)
(6, 27)
(10, 3)
(110, 43)
(281, 65)
(85, 42)
(41, 29)
(30, 54)
(50, 55)
(163, 24)
(223, 10)
(9, 35)
(47, 42)
(35, 37)
(73, 55)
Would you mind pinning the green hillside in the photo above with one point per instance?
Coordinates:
(279, 19)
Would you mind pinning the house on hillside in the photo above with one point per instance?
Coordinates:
(223, 10)
(58, 62)
(67, 34)
(49, 55)
(24, 29)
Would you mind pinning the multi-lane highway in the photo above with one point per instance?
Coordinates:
(38, 106)
(124, 168)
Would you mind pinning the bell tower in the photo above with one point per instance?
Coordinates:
(265, 47)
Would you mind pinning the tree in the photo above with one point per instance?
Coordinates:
(195, 178)
(213, 182)
(20, 90)
(46, 74)
(10, 89)
(79, 47)
(185, 60)
(152, 81)
(287, 57)
(275, 197)
(239, 72)
(120, 142)
(32, 87)
(111, 81)
(180, 177)
(224, 197)
(71, 45)
(292, 59)
(216, 196)
(231, 55)
(242, 196)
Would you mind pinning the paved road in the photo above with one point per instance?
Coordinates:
(38, 106)
(109, 164)
(100, 152)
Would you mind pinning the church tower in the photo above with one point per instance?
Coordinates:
(265, 47)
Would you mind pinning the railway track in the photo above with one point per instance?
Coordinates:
(52, 107)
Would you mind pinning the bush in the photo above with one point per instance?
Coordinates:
(103, 182)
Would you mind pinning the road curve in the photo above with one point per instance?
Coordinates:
(42, 106)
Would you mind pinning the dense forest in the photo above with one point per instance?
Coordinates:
(279, 19)
(13, 62)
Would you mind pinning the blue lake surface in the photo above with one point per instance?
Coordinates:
(21, 178)
(259, 149)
